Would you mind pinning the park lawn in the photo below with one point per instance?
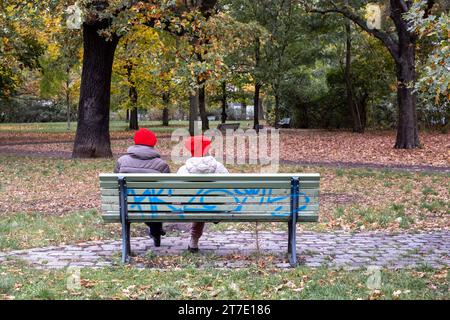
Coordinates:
(55, 201)
(115, 126)
(61, 127)
(18, 281)
(374, 148)
(32, 230)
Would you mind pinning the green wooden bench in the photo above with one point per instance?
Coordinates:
(138, 198)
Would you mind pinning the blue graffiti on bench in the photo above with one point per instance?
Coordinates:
(155, 199)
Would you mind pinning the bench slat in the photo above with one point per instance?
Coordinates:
(214, 177)
(175, 208)
(114, 217)
(200, 185)
(211, 185)
(202, 200)
(193, 192)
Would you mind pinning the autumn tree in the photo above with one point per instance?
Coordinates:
(402, 44)
(105, 22)
(147, 72)
(21, 42)
(283, 48)
(250, 57)
(60, 64)
(433, 85)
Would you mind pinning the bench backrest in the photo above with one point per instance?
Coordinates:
(235, 197)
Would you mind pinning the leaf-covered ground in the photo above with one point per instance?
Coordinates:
(43, 198)
(374, 147)
(20, 282)
(53, 201)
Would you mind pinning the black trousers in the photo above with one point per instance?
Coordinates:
(155, 228)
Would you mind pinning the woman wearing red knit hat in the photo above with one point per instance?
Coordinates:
(144, 158)
(199, 164)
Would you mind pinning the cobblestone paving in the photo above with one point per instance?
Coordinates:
(334, 250)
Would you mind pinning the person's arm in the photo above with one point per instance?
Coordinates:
(117, 168)
(221, 169)
(182, 171)
(166, 169)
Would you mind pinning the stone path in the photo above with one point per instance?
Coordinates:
(333, 250)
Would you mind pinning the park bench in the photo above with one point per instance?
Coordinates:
(223, 127)
(139, 198)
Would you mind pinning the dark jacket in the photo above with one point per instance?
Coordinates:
(141, 159)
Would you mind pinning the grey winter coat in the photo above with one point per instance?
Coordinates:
(141, 159)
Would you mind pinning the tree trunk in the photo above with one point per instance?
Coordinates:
(92, 138)
(256, 106)
(243, 110)
(304, 118)
(165, 115)
(277, 110)
(224, 102)
(69, 109)
(257, 85)
(405, 62)
(134, 119)
(407, 127)
(202, 108)
(133, 96)
(193, 112)
(68, 115)
(261, 110)
(353, 108)
(362, 107)
(134, 115)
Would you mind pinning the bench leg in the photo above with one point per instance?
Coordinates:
(126, 244)
(129, 238)
(292, 244)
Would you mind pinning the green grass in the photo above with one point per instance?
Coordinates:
(61, 127)
(181, 278)
(436, 206)
(21, 282)
(377, 217)
(26, 175)
(429, 191)
(115, 126)
(20, 231)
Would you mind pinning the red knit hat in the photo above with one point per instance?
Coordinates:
(198, 146)
(145, 137)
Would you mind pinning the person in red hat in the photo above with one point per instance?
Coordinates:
(200, 163)
(144, 158)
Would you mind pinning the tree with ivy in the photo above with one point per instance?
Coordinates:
(401, 42)
(433, 84)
